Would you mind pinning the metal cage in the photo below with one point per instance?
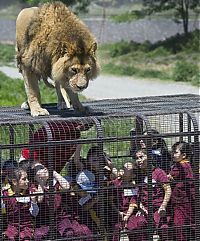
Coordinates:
(92, 177)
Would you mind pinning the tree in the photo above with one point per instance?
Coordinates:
(181, 7)
(76, 5)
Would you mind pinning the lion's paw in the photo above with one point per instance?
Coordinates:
(62, 106)
(39, 111)
(86, 110)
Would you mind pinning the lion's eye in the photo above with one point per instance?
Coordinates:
(74, 70)
(88, 69)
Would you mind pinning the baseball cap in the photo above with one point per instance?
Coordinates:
(86, 180)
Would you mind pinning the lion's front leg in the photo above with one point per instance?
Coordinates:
(76, 102)
(33, 93)
(63, 102)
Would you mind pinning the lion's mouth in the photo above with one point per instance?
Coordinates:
(76, 88)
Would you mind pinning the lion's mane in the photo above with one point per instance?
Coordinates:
(53, 32)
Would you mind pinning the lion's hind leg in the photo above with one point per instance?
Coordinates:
(33, 93)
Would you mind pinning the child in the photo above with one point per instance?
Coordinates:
(123, 200)
(182, 178)
(161, 196)
(39, 175)
(19, 209)
(160, 153)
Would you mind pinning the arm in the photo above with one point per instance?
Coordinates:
(77, 155)
(62, 181)
(131, 208)
(166, 199)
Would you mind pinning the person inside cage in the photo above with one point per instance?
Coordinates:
(161, 193)
(20, 208)
(93, 162)
(183, 190)
(123, 200)
(89, 180)
(40, 183)
(161, 155)
(55, 131)
(7, 167)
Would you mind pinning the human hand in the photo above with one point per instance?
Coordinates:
(121, 214)
(142, 210)
(162, 211)
(125, 219)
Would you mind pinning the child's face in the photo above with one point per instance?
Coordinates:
(23, 181)
(142, 144)
(141, 160)
(178, 156)
(42, 175)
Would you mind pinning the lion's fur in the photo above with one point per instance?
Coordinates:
(50, 39)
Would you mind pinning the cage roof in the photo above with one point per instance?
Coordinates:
(150, 105)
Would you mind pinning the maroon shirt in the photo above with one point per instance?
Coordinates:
(17, 213)
(182, 186)
(159, 177)
(121, 199)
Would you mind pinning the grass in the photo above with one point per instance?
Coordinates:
(12, 92)
(148, 60)
(7, 54)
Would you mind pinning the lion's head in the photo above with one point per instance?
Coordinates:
(75, 69)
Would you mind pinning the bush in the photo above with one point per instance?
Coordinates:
(186, 72)
(123, 47)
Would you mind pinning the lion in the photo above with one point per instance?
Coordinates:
(52, 42)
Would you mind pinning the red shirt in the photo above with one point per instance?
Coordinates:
(60, 131)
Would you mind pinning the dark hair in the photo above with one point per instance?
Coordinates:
(15, 174)
(25, 164)
(184, 147)
(9, 164)
(160, 141)
(7, 167)
(94, 150)
(32, 171)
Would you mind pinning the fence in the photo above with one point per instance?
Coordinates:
(104, 176)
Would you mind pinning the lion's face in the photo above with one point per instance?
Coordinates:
(75, 72)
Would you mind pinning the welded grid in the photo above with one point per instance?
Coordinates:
(112, 135)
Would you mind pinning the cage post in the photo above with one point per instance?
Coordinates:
(181, 125)
(31, 130)
(101, 178)
(11, 135)
(148, 137)
(51, 188)
(196, 172)
(1, 214)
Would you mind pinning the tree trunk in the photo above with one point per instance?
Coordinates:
(185, 15)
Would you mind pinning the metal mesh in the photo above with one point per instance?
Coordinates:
(103, 176)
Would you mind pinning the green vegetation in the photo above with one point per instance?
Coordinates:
(128, 16)
(7, 54)
(159, 60)
(12, 92)
(187, 72)
(15, 92)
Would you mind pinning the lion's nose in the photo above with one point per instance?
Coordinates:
(82, 87)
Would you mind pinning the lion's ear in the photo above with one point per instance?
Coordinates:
(93, 48)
